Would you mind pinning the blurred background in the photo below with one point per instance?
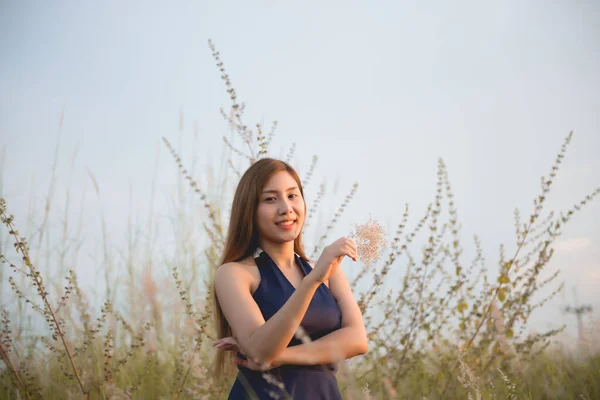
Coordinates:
(378, 91)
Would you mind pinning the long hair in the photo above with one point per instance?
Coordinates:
(242, 233)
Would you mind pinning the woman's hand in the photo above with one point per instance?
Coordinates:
(227, 344)
(251, 364)
(230, 344)
(332, 256)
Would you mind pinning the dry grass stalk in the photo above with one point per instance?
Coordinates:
(21, 246)
(12, 368)
(467, 379)
(511, 387)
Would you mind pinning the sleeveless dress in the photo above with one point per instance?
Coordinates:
(323, 316)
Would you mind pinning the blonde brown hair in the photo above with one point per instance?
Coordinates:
(242, 233)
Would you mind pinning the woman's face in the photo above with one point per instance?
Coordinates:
(281, 208)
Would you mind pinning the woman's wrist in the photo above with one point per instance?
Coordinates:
(311, 281)
(280, 360)
(294, 355)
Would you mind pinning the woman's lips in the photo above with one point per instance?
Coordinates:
(287, 225)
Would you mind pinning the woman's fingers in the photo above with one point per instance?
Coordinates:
(250, 364)
(239, 361)
(226, 346)
(227, 343)
(246, 364)
(351, 252)
(228, 339)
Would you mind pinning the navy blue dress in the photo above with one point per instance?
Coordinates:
(323, 316)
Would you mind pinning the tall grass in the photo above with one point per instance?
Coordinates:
(450, 328)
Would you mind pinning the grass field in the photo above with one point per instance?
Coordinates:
(450, 328)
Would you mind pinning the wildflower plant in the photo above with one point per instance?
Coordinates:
(440, 325)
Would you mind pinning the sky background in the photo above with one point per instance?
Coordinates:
(378, 91)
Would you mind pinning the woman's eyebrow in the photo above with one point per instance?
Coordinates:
(276, 191)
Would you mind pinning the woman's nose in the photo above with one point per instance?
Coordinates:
(286, 208)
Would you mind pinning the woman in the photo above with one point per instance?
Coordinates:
(265, 290)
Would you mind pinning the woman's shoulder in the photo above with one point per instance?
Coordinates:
(235, 267)
(244, 270)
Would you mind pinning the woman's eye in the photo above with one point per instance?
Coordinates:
(291, 196)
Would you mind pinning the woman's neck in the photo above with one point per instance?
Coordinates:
(281, 253)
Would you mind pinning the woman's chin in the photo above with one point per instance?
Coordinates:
(285, 237)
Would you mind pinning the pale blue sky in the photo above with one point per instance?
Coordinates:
(378, 90)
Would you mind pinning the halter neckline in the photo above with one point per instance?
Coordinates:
(259, 251)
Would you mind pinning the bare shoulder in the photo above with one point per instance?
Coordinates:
(243, 272)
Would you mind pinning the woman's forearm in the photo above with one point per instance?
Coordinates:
(270, 339)
(339, 345)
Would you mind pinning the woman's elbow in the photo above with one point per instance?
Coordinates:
(258, 355)
(360, 342)
(363, 347)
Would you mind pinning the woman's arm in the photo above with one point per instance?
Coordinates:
(347, 342)
(324, 350)
(264, 341)
(259, 340)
